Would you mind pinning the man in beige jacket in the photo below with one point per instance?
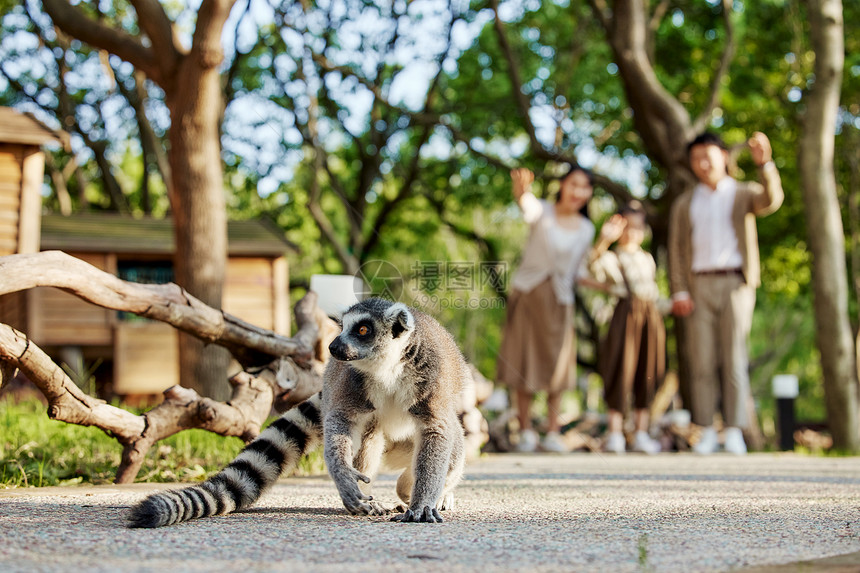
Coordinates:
(713, 273)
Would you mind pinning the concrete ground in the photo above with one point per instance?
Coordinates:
(532, 512)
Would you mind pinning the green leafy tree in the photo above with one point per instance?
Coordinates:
(191, 81)
(96, 98)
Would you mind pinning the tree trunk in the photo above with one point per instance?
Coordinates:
(199, 209)
(191, 83)
(824, 220)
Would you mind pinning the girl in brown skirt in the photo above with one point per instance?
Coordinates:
(632, 358)
(537, 351)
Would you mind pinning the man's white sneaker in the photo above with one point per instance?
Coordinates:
(708, 443)
(528, 441)
(735, 442)
(643, 443)
(615, 443)
(552, 442)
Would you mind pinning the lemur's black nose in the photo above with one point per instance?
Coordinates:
(341, 350)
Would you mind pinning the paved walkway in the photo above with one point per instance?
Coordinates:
(578, 512)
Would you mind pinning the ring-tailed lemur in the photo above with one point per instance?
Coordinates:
(390, 399)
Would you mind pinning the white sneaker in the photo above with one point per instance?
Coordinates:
(552, 442)
(528, 441)
(708, 443)
(643, 443)
(735, 442)
(615, 443)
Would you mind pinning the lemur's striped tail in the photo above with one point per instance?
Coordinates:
(276, 450)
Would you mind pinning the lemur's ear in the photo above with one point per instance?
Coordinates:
(400, 318)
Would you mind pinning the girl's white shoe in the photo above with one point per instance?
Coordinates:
(528, 441)
(552, 442)
(615, 443)
(643, 443)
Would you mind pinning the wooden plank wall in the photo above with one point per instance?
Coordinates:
(13, 310)
(281, 296)
(59, 318)
(248, 290)
(11, 161)
(146, 357)
(30, 212)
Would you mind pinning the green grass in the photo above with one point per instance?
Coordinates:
(37, 452)
(643, 553)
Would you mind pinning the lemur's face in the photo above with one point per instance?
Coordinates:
(370, 332)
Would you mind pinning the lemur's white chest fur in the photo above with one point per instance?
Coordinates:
(391, 395)
(395, 422)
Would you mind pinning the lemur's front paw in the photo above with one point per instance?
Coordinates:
(354, 500)
(426, 515)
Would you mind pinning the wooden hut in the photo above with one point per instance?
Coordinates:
(137, 356)
(22, 171)
(144, 353)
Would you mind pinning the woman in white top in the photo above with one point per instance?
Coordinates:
(538, 348)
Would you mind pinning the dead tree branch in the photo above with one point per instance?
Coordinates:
(170, 303)
(279, 371)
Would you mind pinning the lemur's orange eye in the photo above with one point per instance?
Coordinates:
(363, 330)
